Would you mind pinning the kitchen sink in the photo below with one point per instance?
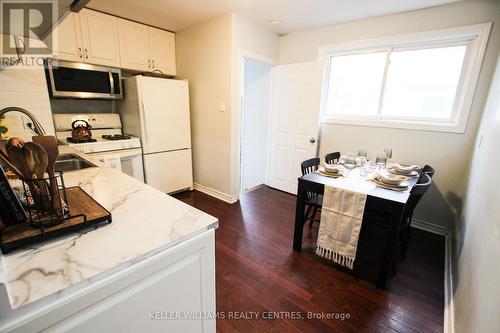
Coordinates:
(71, 162)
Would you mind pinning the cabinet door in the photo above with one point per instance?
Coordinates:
(100, 38)
(162, 50)
(134, 45)
(69, 40)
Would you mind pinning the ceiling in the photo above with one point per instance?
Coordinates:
(294, 15)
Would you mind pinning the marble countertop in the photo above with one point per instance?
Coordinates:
(145, 221)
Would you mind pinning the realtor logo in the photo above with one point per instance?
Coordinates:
(26, 26)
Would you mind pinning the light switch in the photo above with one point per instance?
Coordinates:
(222, 106)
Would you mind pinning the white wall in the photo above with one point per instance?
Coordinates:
(208, 55)
(25, 87)
(448, 153)
(252, 40)
(204, 58)
(476, 280)
(255, 122)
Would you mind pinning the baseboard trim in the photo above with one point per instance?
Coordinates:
(436, 229)
(216, 194)
(254, 188)
(449, 317)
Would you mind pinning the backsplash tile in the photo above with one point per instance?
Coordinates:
(25, 88)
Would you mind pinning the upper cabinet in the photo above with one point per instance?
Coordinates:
(134, 45)
(69, 42)
(90, 37)
(162, 50)
(144, 48)
(101, 39)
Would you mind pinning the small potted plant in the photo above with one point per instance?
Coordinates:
(3, 128)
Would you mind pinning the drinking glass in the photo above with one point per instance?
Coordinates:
(388, 152)
(381, 159)
(362, 152)
(350, 162)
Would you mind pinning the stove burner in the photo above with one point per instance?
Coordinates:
(82, 140)
(116, 137)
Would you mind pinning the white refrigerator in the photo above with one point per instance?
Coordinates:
(157, 111)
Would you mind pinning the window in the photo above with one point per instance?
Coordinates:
(422, 81)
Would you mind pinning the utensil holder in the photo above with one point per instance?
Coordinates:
(41, 210)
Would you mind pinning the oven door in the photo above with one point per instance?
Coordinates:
(128, 161)
(76, 80)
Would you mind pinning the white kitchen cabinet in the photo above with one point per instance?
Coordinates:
(136, 298)
(69, 39)
(90, 37)
(134, 45)
(100, 38)
(144, 48)
(162, 50)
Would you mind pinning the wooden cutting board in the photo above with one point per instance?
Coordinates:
(79, 204)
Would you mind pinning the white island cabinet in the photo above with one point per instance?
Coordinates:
(151, 270)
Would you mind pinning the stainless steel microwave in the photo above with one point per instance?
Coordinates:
(76, 80)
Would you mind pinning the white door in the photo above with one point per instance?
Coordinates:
(134, 45)
(169, 172)
(295, 112)
(165, 114)
(69, 41)
(162, 50)
(100, 38)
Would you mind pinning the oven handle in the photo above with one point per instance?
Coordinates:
(124, 154)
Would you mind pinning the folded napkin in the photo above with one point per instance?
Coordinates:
(333, 168)
(341, 217)
(405, 168)
(392, 180)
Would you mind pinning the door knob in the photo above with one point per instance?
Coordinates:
(312, 140)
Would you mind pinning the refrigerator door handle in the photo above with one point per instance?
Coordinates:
(143, 116)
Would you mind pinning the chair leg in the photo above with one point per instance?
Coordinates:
(306, 215)
(313, 216)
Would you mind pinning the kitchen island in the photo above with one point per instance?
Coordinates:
(149, 270)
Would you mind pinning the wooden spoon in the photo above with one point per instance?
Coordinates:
(49, 143)
(24, 162)
(39, 165)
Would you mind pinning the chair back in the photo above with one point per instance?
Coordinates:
(332, 157)
(417, 192)
(309, 165)
(428, 170)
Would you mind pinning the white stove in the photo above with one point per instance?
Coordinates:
(109, 144)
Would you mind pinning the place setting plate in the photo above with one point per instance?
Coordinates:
(331, 170)
(398, 183)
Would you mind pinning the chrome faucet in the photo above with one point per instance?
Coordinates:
(37, 127)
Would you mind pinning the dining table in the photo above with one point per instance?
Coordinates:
(380, 226)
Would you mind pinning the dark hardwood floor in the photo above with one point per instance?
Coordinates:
(257, 271)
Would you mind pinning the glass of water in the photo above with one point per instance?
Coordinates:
(388, 152)
(362, 152)
(381, 159)
(350, 162)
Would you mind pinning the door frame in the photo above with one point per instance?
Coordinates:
(238, 113)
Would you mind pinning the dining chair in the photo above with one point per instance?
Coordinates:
(314, 201)
(428, 170)
(332, 157)
(416, 193)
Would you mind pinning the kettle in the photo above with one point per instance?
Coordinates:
(81, 130)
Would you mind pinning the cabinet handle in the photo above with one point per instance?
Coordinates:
(149, 63)
(86, 54)
(80, 55)
(153, 63)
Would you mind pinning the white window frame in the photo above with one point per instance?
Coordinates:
(474, 36)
